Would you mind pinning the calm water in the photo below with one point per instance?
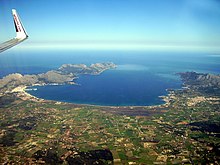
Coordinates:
(115, 87)
(138, 80)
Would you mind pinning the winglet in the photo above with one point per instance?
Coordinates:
(20, 31)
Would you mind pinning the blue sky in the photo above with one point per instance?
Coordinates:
(159, 24)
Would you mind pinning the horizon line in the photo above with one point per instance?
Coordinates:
(121, 46)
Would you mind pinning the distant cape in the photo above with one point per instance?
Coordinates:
(65, 74)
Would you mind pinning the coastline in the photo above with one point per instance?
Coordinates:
(21, 93)
(24, 95)
(165, 99)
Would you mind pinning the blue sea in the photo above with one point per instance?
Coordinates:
(140, 78)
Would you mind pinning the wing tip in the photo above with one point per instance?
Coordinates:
(20, 30)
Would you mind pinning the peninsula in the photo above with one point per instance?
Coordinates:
(65, 74)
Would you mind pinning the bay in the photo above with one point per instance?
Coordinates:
(113, 88)
(140, 78)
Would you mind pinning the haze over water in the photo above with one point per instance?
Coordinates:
(140, 78)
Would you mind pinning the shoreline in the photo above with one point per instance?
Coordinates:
(144, 111)
(23, 94)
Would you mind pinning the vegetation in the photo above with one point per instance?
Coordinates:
(47, 132)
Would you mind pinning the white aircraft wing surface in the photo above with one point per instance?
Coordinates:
(21, 34)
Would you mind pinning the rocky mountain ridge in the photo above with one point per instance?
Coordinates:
(65, 74)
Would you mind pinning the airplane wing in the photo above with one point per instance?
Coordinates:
(21, 34)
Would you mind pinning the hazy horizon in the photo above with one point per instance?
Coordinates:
(116, 24)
